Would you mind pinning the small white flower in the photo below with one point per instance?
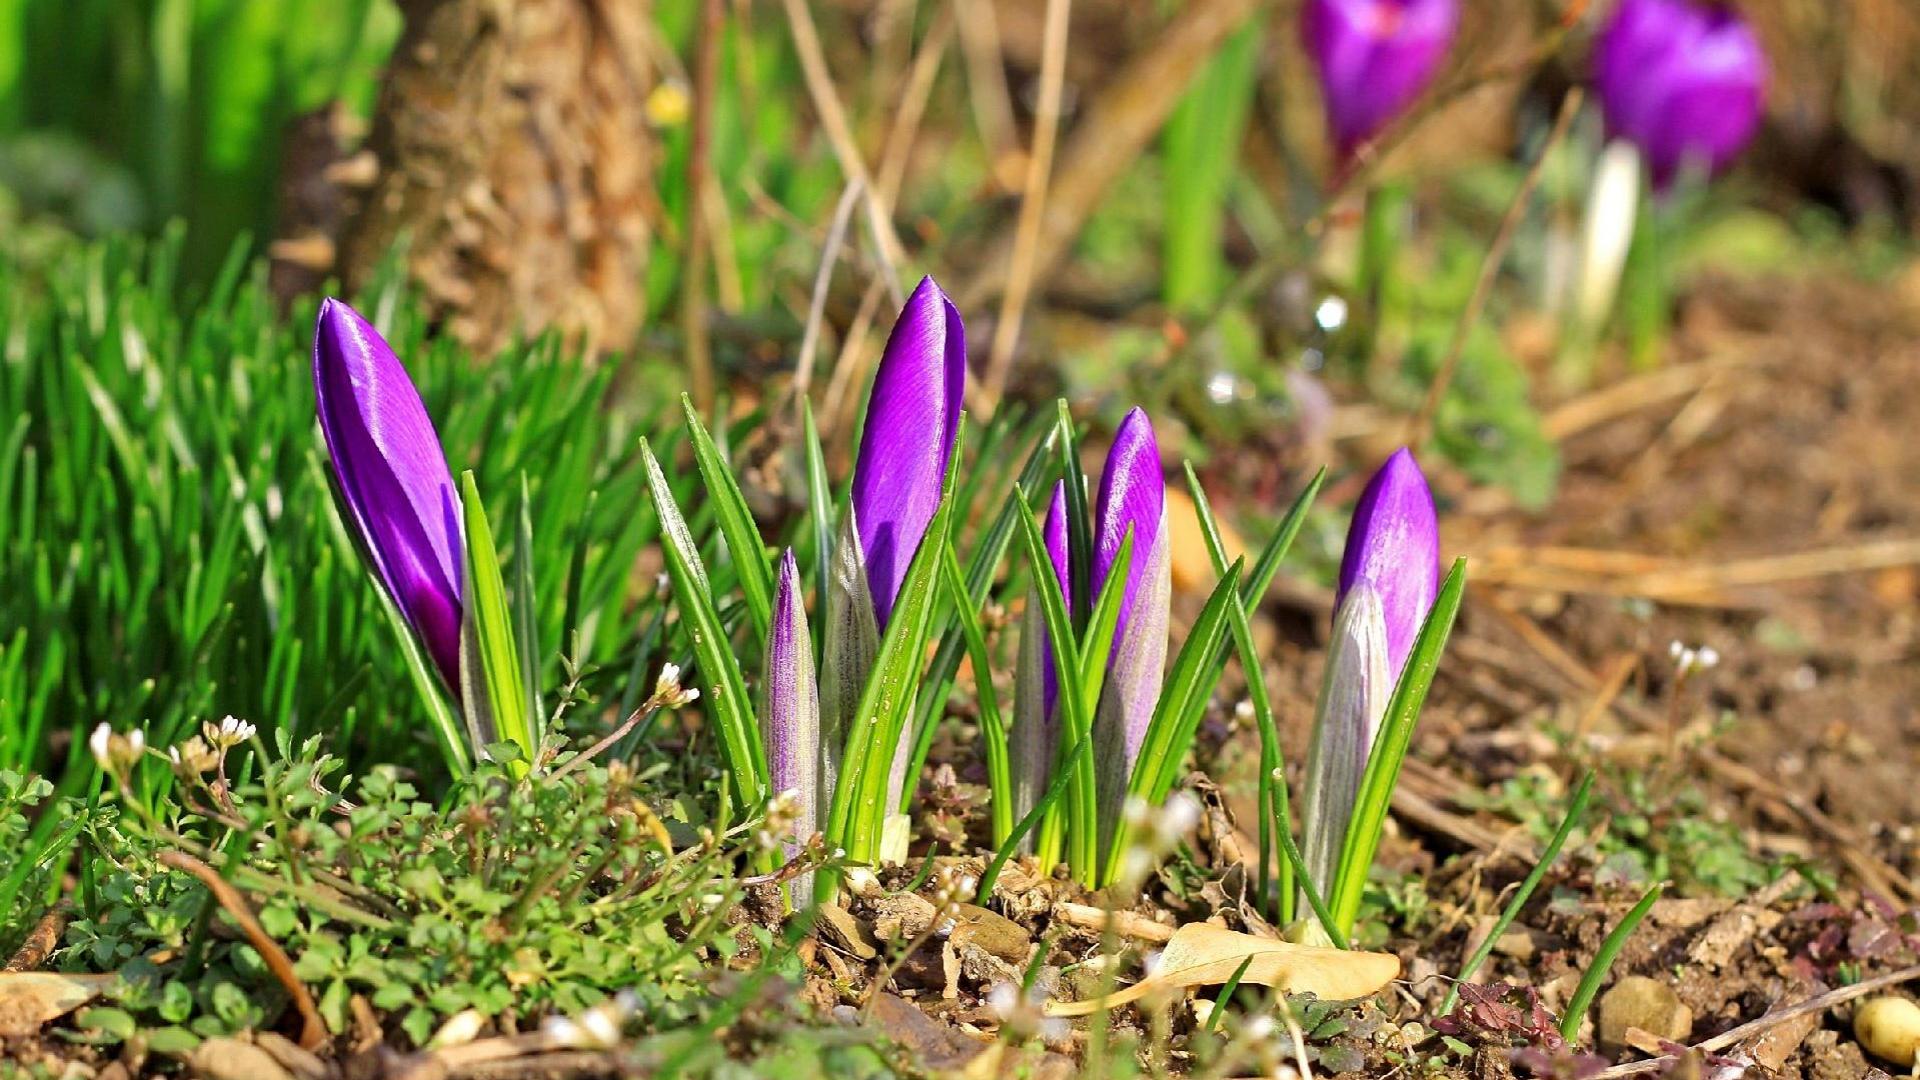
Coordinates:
(1708, 656)
(136, 743)
(1004, 1000)
(1260, 1028)
(230, 732)
(100, 743)
(1180, 816)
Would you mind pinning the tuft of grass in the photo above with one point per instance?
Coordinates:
(173, 548)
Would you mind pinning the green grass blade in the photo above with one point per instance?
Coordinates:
(1227, 990)
(1273, 810)
(1576, 807)
(1177, 714)
(1260, 578)
(1390, 749)
(1596, 972)
(993, 727)
(819, 510)
(489, 627)
(744, 546)
(1056, 790)
(1076, 720)
(724, 690)
(526, 624)
(1079, 515)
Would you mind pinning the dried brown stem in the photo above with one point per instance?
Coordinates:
(1033, 204)
(313, 1029)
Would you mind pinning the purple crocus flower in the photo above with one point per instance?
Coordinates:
(1393, 546)
(790, 718)
(393, 478)
(1388, 581)
(1133, 498)
(1375, 57)
(912, 418)
(1684, 81)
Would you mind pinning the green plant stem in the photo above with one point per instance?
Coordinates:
(1575, 808)
(1596, 972)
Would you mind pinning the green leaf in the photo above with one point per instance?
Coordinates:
(1079, 516)
(993, 727)
(744, 547)
(819, 509)
(526, 630)
(1273, 810)
(1576, 807)
(1390, 749)
(1177, 714)
(1072, 699)
(1056, 790)
(492, 691)
(724, 691)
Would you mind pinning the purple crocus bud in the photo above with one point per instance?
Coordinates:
(1375, 57)
(1393, 547)
(790, 717)
(1684, 81)
(392, 478)
(911, 421)
(1354, 690)
(1132, 501)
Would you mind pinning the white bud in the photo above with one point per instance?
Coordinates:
(99, 742)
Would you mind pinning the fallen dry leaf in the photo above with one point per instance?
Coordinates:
(1201, 954)
(31, 998)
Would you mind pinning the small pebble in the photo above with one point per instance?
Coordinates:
(1889, 1029)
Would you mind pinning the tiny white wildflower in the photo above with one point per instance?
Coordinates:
(100, 743)
(230, 732)
(1004, 1000)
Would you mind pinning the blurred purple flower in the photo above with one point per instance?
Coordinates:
(1393, 546)
(912, 418)
(1684, 81)
(393, 478)
(1375, 57)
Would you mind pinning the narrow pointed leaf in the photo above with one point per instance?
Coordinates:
(488, 659)
(744, 546)
(723, 689)
(993, 728)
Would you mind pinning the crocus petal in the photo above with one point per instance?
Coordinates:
(911, 421)
(1132, 495)
(1136, 668)
(1393, 546)
(1353, 698)
(393, 477)
(1374, 59)
(1684, 81)
(1054, 532)
(790, 719)
(848, 648)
